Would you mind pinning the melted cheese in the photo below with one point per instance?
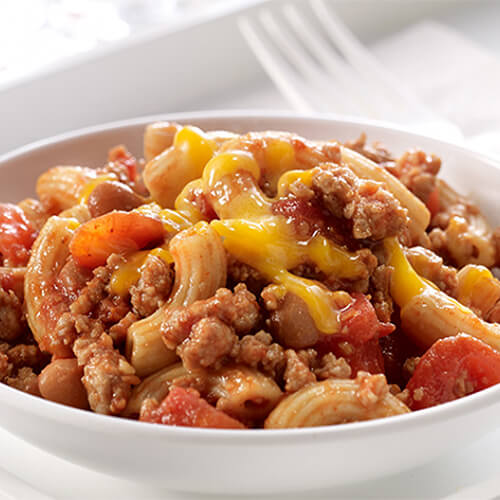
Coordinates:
(183, 203)
(234, 176)
(406, 283)
(288, 178)
(91, 185)
(128, 273)
(73, 224)
(268, 242)
(279, 157)
(173, 221)
(195, 147)
(473, 278)
(270, 246)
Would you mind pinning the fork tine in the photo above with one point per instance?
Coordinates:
(275, 67)
(287, 44)
(304, 63)
(363, 61)
(332, 63)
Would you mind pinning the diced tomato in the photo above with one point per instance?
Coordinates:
(357, 340)
(359, 322)
(451, 368)
(433, 203)
(365, 357)
(185, 407)
(16, 234)
(115, 232)
(303, 213)
(120, 154)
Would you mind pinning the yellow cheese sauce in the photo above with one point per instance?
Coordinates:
(173, 220)
(475, 278)
(406, 283)
(259, 238)
(128, 273)
(91, 185)
(195, 147)
(268, 242)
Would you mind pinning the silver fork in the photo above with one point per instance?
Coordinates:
(319, 65)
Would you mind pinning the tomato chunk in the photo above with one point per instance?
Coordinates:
(362, 357)
(451, 368)
(357, 341)
(359, 321)
(119, 154)
(16, 235)
(115, 232)
(185, 407)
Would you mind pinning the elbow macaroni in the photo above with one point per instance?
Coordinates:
(244, 393)
(333, 402)
(60, 187)
(42, 298)
(200, 265)
(223, 208)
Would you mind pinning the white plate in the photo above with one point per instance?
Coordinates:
(247, 461)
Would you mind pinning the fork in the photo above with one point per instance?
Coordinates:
(319, 65)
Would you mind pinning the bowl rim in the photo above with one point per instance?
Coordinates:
(117, 425)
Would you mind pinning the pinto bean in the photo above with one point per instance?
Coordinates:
(112, 195)
(60, 381)
(292, 325)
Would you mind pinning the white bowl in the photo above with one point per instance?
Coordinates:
(251, 461)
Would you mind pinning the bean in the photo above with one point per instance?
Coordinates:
(60, 381)
(112, 195)
(292, 324)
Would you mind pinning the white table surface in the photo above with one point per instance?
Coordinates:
(479, 461)
(60, 479)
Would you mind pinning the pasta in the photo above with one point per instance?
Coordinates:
(243, 393)
(166, 174)
(335, 402)
(158, 137)
(419, 216)
(155, 386)
(44, 301)
(200, 264)
(60, 187)
(257, 280)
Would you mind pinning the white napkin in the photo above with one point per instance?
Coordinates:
(453, 75)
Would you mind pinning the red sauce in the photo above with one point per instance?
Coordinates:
(16, 235)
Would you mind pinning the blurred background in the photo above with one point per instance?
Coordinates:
(66, 64)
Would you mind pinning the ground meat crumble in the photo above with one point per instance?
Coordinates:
(373, 211)
(153, 288)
